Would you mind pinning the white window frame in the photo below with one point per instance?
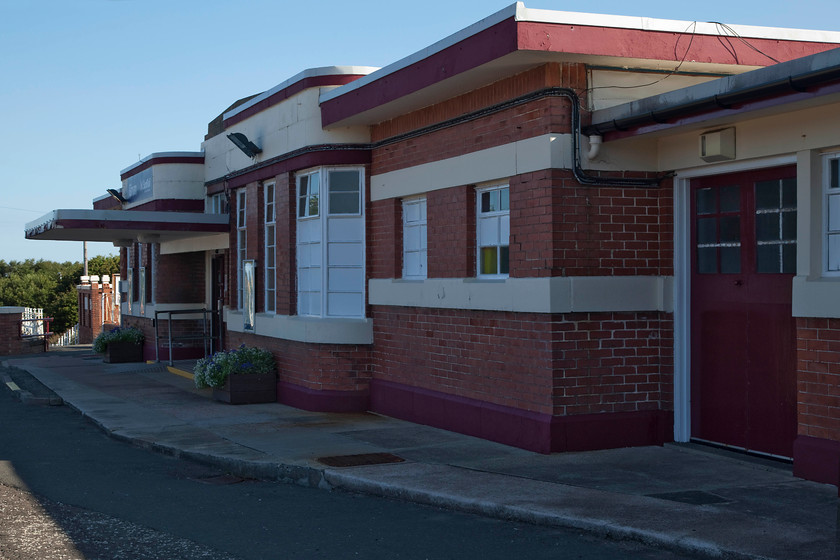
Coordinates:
(241, 241)
(270, 234)
(326, 264)
(490, 222)
(831, 215)
(218, 204)
(415, 249)
(129, 281)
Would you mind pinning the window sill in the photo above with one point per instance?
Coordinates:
(319, 330)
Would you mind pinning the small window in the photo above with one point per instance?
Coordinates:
(241, 241)
(309, 187)
(270, 250)
(344, 192)
(218, 204)
(831, 213)
(493, 224)
(414, 239)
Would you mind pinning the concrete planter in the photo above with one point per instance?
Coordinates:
(248, 388)
(122, 352)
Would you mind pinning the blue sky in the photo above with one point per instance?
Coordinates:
(88, 87)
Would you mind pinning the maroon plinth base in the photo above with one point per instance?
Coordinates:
(817, 459)
(248, 388)
(122, 352)
(323, 400)
(542, 433)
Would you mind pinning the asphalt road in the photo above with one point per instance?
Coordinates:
(68, 491)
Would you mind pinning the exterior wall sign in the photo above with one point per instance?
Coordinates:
(138, 187)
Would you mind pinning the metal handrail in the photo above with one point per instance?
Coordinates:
(206, 337)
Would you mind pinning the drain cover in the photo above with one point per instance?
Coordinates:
(360, 460)
(693, 497)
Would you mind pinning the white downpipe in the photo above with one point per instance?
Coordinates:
(594, 146)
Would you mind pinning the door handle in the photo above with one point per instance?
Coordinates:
(739, 283)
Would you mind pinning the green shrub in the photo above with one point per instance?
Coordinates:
(213, 371)
(118, 334)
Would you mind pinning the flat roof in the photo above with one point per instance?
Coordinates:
(124, 225)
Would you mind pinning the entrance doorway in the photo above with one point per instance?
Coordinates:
(217, 301)
(743, 341)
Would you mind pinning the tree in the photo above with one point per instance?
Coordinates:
(50, 285)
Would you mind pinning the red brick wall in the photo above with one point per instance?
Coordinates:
(10, 341)
(450, 232)
(558, 228)
(180, 278)
(561, 228)
(547, 75)
(385, 239)
(818, 377)
(285, 200)
(552, 364)
(319, 367)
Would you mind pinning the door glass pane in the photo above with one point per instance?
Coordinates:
(707, 260)
(730, 229)
(789, 226)
(706, 201)
(789, 193)
(767, 227)
(730, 199)
(834, 172)
(768, 258)
(706, 230)
(767, 196)
(789, 258)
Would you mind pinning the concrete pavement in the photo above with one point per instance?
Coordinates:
(682, 497)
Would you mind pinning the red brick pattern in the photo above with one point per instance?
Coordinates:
(543, 116)
(319, 367)
(547, 75)
(180, 278)
(385, 234)
(551, 364)
(10, 341)
(561, 228)
(450, 231)
(818, 377)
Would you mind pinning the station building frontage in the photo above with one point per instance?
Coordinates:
(558, 231)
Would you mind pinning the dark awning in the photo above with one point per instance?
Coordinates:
(124, 226)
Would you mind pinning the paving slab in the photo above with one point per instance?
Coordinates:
(684, 497)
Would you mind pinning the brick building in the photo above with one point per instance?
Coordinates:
(99, 306)
(558, 231)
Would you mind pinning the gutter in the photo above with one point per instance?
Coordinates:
(726, 93)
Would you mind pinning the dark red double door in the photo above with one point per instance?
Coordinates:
(743, 346)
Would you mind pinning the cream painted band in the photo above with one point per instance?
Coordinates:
(816, 298)
(524, 156)
(578, 294)
(193, 244)
(305, 329)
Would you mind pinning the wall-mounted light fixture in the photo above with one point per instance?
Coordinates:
(116, 194)
(241, 141)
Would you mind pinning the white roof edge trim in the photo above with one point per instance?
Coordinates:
(521, 13)
(308, 73)
(127, 215)
(458, 36)
(161, 155)
(677, 26)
